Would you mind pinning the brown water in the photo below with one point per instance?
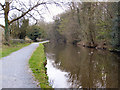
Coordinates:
(77, 67)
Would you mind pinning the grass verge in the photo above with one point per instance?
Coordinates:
(37, 65)
(6, 50)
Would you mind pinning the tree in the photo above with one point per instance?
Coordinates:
(23, 9)
(18, 29)
(24, 28)
(91, 23)
(116, 28)
(35, 32)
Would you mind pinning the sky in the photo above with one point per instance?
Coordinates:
(47, 14)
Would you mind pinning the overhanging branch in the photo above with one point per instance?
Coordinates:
(2, 26)
(2, 6)
(26, 12)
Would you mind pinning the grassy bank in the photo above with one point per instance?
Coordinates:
(6, 50)
(37, 63)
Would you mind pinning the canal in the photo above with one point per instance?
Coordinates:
(70, 66)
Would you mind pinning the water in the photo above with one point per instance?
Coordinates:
(78, 67)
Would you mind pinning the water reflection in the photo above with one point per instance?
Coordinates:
(77, 67)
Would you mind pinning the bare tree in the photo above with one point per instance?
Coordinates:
(23, 9)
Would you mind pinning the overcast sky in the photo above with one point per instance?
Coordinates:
(47, 14)
(53, 9)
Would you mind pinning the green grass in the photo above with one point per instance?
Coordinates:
(36, 63)
(6, 50)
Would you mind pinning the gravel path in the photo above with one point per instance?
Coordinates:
(15, 72)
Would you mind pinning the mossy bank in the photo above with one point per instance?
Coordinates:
(37, 65)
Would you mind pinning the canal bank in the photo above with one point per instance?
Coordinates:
(37, 64)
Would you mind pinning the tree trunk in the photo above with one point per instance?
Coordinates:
(119, 24)
(6, 23)
(91, 27)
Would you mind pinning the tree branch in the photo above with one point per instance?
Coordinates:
(26, 12)
(2, 26)
(108, 12)
(38, 13)
(33, 18)
(2, 6)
